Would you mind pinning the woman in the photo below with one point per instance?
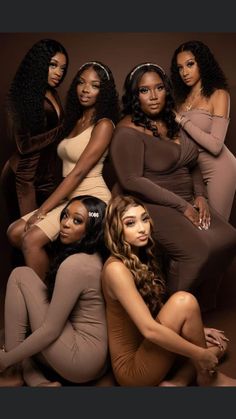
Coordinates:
(66, 317)
(203, 104)
(145, 334)
(91, 111)
(35, 117)
(160, 167)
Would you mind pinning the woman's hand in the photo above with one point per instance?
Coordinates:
(178, 117)
(206, 361)
(201, 205)
(215, 337)
(34, 219)
(193, 215)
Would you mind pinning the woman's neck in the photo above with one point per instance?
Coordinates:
(196, 89)
(87, 116)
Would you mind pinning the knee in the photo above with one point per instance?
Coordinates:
(185, 300)
(29, 241)
(14, 234)
(19, 275)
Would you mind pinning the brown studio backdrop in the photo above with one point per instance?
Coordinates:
(120, 51)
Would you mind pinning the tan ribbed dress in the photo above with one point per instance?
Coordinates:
(70, 150)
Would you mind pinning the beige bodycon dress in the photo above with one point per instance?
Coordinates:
(70, 150)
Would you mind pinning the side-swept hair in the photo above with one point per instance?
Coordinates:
(144, 268)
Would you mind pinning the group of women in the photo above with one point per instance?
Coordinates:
(114, 277)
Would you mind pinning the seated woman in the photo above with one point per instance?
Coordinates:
(156, 160)
(147, 333)
(66, 317)
(91, 112)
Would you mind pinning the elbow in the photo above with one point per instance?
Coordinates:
(129, 184)
(148, 332)
(216, 150)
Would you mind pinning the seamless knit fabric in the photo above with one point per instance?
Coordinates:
(166, 176)
(70, 150)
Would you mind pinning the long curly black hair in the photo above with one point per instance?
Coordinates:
(107, 103)
(131, 103)
(25, 98)
(212, 76)
(92, 242)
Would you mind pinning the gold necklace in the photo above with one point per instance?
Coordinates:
(188, 106)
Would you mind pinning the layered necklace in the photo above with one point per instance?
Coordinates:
(188, 106)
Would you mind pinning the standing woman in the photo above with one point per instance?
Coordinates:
(91, 112)
(203, 107)
(146, 331)
(35, 116)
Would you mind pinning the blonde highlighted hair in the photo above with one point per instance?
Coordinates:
(144, 268)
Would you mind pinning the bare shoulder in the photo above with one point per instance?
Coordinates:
(105, 123)
(103, 129)
(116, 277)
(114, 270)
(113, 265)
(220, 95)
(220, 100)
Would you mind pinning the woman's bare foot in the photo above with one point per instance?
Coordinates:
(217, 379)
(49, 384)
(11, 377)
(172, 383)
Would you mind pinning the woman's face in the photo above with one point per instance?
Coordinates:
(73, 223)
(152, 93)
(88, 87)
(136, 226)
(188, 68)
(57, 67)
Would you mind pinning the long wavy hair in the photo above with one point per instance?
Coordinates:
(25, 100)
(91, 242)
(107, 103)
(131, 103)
(212, 76)
(144, 267)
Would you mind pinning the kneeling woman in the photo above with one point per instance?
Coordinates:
(66, 316)
(146, 334)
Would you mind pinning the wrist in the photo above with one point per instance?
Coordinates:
(198, 353)
(40, 214)
(178, 118)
